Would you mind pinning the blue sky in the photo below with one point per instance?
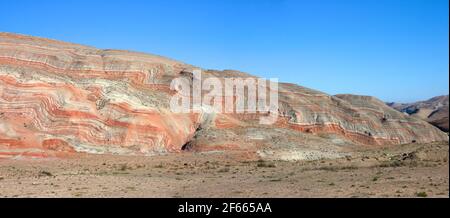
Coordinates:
(396, 50)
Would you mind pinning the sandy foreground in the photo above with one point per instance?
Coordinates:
(414, 170)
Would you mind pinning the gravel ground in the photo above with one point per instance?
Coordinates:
(415, 170)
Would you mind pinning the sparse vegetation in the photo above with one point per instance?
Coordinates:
(394, 163)
(421, 194)
(262, 163)
(45, 173)
(224, 170)
(123, 167)
(159, 166)
(336, 168)
(78, 194)
(204, 172)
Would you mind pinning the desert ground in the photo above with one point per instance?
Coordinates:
(412, 170)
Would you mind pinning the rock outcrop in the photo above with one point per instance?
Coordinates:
(57, 98)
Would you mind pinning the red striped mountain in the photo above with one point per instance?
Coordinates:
(57, 98)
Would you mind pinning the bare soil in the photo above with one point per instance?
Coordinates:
(414, 170)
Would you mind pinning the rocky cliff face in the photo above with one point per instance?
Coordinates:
(58, 97)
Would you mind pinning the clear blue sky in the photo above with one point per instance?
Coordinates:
(396, 50)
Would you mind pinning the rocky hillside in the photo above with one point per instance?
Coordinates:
(57, 98)
(434, 110)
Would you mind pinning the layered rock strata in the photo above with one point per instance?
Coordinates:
(57, 98)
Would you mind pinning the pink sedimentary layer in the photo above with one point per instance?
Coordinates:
(43, 108)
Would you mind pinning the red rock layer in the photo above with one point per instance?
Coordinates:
(58, 98)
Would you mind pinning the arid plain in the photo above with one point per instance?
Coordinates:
(414, 170)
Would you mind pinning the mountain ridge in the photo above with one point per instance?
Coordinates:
(434, 110)
(58, 98)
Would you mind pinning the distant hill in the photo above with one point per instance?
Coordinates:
(434, 110)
